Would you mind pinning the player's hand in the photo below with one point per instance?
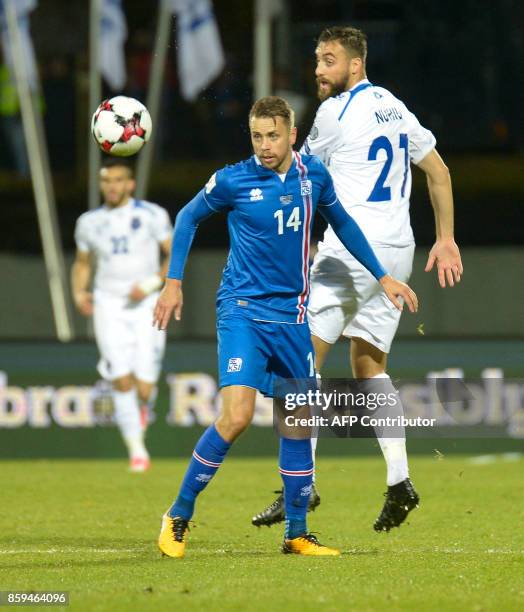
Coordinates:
(136, 294)
(169, 303)
(394, 289)
(446, 254)
(84, 303)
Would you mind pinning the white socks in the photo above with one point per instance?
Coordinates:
(393, 449)
(127, 417)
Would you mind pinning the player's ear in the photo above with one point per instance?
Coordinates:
(293, 136)
(355, 65)
(132, 184)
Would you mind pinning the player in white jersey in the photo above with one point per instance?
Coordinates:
(124, 238)
(368, 140)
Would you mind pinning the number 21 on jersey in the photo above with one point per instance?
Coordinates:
(381, 193)
(293, 220)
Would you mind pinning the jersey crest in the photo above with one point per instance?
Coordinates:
(306, 188)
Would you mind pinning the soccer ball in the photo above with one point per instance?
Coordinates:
(121, 126)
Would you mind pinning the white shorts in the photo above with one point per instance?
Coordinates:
(345, 300)
(127, 341)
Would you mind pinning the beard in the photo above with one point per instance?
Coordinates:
(330, 89)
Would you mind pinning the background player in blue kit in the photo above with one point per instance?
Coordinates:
(262, 328)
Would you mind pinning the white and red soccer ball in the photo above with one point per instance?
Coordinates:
(121, 126)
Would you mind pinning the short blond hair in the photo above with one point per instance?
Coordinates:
(273, 107)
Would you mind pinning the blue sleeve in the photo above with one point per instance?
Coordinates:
(217, 191)
(186, 224)
(351, 236)
(327, 195)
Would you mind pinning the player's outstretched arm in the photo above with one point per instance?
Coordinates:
(352, 237)
(445, 252)
(80, 279)
(349, 233)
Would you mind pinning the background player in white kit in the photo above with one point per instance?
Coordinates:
(368, 139)
(124, 238)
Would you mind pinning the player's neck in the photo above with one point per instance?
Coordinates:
(354, 79)
(119, 204)
(286, 164)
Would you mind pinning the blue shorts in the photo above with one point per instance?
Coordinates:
(255, 353)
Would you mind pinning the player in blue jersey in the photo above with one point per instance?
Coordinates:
(262, 328)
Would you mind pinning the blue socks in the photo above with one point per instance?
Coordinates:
(207, 458)
(296, 469)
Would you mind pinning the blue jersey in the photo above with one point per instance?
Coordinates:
(269, 222)
(270, 219)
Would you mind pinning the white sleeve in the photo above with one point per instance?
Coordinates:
(421, 140)
(82, 236)
(162, 228)
(325, 135)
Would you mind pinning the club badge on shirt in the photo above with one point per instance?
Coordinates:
(306, 188)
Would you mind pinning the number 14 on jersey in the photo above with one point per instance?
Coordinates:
(292, 221)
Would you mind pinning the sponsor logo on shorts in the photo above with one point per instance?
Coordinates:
(286, 199)
(234, 364)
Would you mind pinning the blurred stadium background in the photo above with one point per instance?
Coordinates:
(458, 67)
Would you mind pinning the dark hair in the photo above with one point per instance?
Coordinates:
(118, 162)
(354, 41)
(273, 106)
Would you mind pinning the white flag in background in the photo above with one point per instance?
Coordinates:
(22, 10)
(113, 34)
(200, 53)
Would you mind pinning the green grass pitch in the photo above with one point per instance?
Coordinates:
(90, 528)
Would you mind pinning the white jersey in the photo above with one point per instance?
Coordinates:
(125, 242)
(367, 138)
